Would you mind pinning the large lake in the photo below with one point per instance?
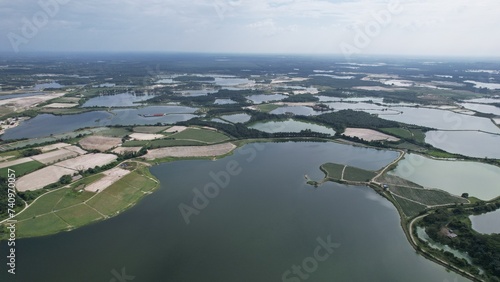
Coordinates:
(456, 177)
(487, 223)
(441, 119)
(467, 143)
(45, 124)
(265, 221)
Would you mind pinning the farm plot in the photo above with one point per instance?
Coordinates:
(175, 129)
(55, 156)
(202, 135)
(428, 197)
(87, 161)
(42, 177)
(369, 135)
(100, 143)
(110, 177)
(15, 162)
(149, 129)
(190, 151)
(61, 105)
(53, 147)
(124, 150)
(146, 136)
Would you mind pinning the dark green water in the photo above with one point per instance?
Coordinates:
(261, 224)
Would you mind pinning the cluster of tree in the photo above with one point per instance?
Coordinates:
(4, 198)
(31, 152)
(348, 118)
(300, 98)
(483, 249)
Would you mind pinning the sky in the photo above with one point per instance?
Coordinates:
(345, 27)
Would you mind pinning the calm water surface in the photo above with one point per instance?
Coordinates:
(265, 221)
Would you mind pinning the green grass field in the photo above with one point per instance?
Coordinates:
(170, 143)
(202, 135)
(409, 208)
(115, 132)
(267, 107)
(150, 129)
(415, 134)
(68, 208)
(22, 169)
(333, 171)
(357, 174)
(123, 193)
(135, 143)
(427, 196)
(40, 226)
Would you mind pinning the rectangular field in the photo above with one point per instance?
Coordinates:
(79, 215)
(357, 174)
(149, 129)
(333, 171)
(110, 176)
(190, 151)
(203, 135)
(87, 161)
(427, 197)
(22, 169)
(55, 156)
(409, 208)
(42, 177)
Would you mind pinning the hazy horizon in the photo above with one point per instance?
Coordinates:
(347, 28)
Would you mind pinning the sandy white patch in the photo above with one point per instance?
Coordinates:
(41, 178)
(61, 105)
(111, 176)
(146, 136)
(369, 135)
(87, 161)
(54, 156)
(497, 120)
(76, 149)
(190, 151)
(23, 103)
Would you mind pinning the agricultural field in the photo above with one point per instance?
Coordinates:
(190, 151)
(55, 156)
(69, 208)
(118, 132)
(428, 197)
(150, 129)
(87, 161)
(42, 177)
(409, 208)
(99, 143)
(267, 108)
(173, 142)
(333, 171)
(415, 134)
(22, 169)
(369, 135)
(358, 175)
(201, 135)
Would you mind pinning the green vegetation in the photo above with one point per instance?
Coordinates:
(301, 98)
(201, 135)
(172, 142)
(483, 249)
(123, 194)
(150, 129)
(69, 208)
(408, 207)
(115, 132)
(333, 171)
(22, 169)
(339, 172)
(267, 107)
(358, 175)
(428, 197)
(413, 134)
